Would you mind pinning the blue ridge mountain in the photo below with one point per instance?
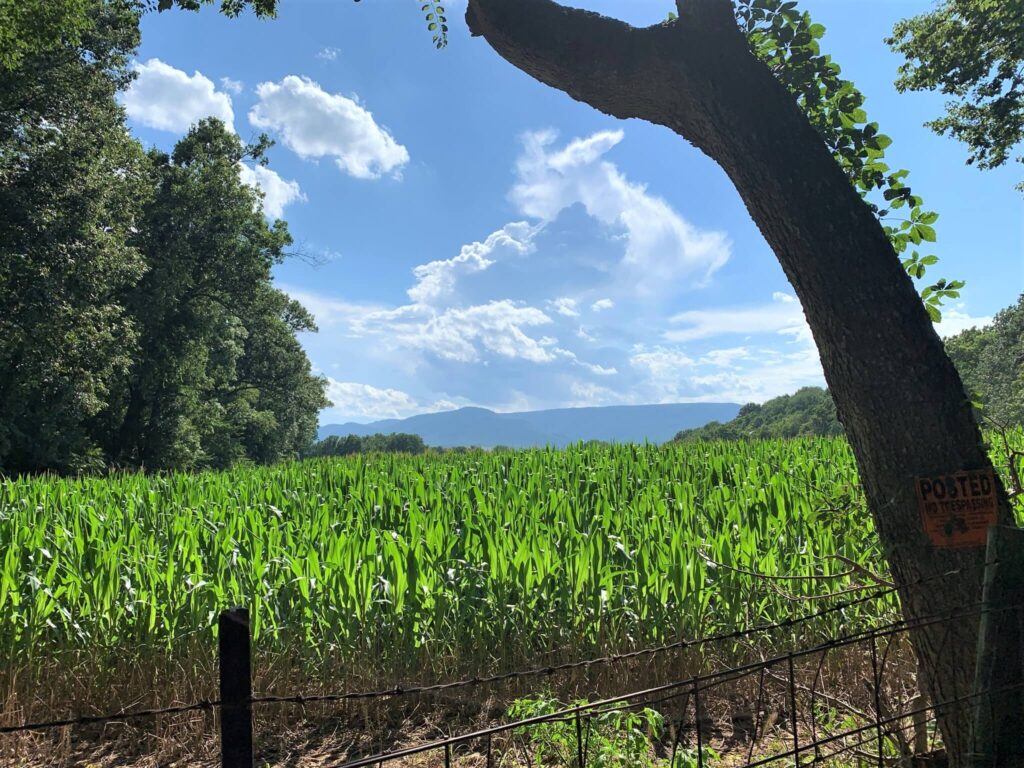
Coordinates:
(556, 427)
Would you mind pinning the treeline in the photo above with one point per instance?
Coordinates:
(349, 445)
(991, 364)
(809, 411)
(138, 323)
(990, 361)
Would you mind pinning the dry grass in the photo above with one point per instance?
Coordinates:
(320, 735)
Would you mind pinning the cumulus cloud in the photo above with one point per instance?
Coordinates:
(277, 192)
(461, 333)
(314, 123)
(169, 99)
(492, 318)
(662, 248)
(330, 53)
(366, 401)
(436, 279)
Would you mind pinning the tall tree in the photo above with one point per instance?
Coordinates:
(972, 51)
(71, 184)
(897, 393)
(138, 323)
(220, 376)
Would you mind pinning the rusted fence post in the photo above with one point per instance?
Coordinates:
(235, 689)
(998, 696)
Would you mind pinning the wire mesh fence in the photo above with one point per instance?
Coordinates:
(849, 698)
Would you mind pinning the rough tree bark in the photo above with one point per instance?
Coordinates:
(897, 393)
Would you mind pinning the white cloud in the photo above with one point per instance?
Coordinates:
(565, 307)
(738, 375)
(597, 370)
(356, 401)
(782, 315)
(587, 394)
(369, 402)
(784, 359)
(277, 192)
(330, 312)
(330, 53)
(168, 99)
(772, 373)
(314, 123)
(662, 249)
(232, 86)
(436, 279)
(725, 358)
(661, 362)
(601, 305)
(460, 334)
(956, 319)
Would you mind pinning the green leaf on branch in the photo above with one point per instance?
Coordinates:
(786, 40)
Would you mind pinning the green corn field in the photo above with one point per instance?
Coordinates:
(434, 564)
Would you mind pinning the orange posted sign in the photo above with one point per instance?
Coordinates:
(958, 509)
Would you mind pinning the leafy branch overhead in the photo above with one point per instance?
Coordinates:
(972, 51)
(786, 40)
(437, 24)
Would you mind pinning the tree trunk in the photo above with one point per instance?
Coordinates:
(897, 393)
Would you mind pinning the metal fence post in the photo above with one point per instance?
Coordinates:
(997, 740)
(235, 689)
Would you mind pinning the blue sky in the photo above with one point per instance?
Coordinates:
(476, 238)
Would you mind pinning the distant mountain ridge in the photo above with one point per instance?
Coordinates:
(557, 427)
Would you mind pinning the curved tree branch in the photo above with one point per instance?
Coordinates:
(616, 68)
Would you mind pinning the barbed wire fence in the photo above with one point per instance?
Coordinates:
(781, 729)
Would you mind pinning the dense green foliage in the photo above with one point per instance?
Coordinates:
(349, 445)
(28, 27)
(615, 739)
(991, 364)
(72, 183)
(972, 51)
(807, 412)
(138, 325)
(31, 27)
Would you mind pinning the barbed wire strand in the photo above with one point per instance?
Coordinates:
(691, 684)
(384, 757)
(206, 704)
(407, 690)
